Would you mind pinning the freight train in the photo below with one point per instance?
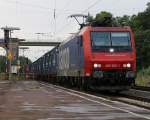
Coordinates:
(96, 57)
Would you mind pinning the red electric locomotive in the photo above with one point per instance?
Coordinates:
(109, 57)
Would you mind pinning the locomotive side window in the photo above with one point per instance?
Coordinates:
(120, 39)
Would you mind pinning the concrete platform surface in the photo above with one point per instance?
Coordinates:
(31, 100)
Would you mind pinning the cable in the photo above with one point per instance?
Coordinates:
(38, 6)
(54, 10)
(95, 3)
(64, 7)
(55, 18)
(92, 5)
(28, 4)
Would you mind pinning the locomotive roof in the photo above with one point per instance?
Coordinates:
(94, 29)
(70, 38)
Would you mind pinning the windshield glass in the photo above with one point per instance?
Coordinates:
(103, 41)
(120, 39)
(110, 39)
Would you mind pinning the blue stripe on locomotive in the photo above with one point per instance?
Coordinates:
(71, 58)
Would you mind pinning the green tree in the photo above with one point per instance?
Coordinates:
(140, 21)
(123, 21)
(102, 19)
(141, 26)
(143, 47)
(89, 19)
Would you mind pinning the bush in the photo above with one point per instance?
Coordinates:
(143, 77)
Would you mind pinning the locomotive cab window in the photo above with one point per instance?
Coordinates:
(103, 41)
(120, 39)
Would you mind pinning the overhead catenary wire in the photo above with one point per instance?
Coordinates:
(55, 22)
(54, 11)
(91, 6)
(26, 4)
(64, 7)
(85, 10)
(16, 10)
(50, 9)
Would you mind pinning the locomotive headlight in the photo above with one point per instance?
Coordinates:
(124, 65)
(111, 50)
(97, 65)
(128, 65)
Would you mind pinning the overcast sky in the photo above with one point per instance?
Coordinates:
(34, 16)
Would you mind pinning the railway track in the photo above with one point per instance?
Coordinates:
(132, 97)
(139, 96)
(142, 88)
(135, 97)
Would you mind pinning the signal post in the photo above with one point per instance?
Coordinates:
(8, 47)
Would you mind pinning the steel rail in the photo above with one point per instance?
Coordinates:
(142, 88)
(124, 97)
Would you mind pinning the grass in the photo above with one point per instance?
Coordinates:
(143, 77)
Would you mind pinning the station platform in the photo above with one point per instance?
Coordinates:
(32, 100)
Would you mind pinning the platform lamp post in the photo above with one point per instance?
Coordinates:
(7, 43)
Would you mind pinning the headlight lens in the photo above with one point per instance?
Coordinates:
(127, 65)
(111, 50)
(124, 65)
(97, 65)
